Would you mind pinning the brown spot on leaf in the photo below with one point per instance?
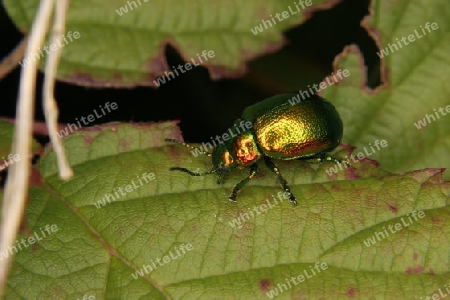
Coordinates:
(264, 285)
(414, 270)
(351, 292)
(125, 143)
(415, 256)
(350, 173)
(436, 220)
(88, 140)
(393, 208)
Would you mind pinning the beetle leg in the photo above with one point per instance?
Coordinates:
(219, 181)
(240, 185)
(283, 182)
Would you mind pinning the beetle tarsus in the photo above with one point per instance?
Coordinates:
(292, 198)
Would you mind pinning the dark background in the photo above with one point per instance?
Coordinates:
(206, 107)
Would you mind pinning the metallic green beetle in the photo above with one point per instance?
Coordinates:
(305, 130)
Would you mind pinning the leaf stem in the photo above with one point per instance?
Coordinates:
(17, 183)
(49, 103)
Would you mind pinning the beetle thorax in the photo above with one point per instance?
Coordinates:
(244, 150)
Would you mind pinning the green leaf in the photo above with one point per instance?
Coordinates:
(6, 137)
(96, 251)
(127, 49)
(416, 85)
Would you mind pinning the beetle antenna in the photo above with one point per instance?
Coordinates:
(188, 146)
(193, 173)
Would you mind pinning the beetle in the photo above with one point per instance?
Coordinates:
(306, 131)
